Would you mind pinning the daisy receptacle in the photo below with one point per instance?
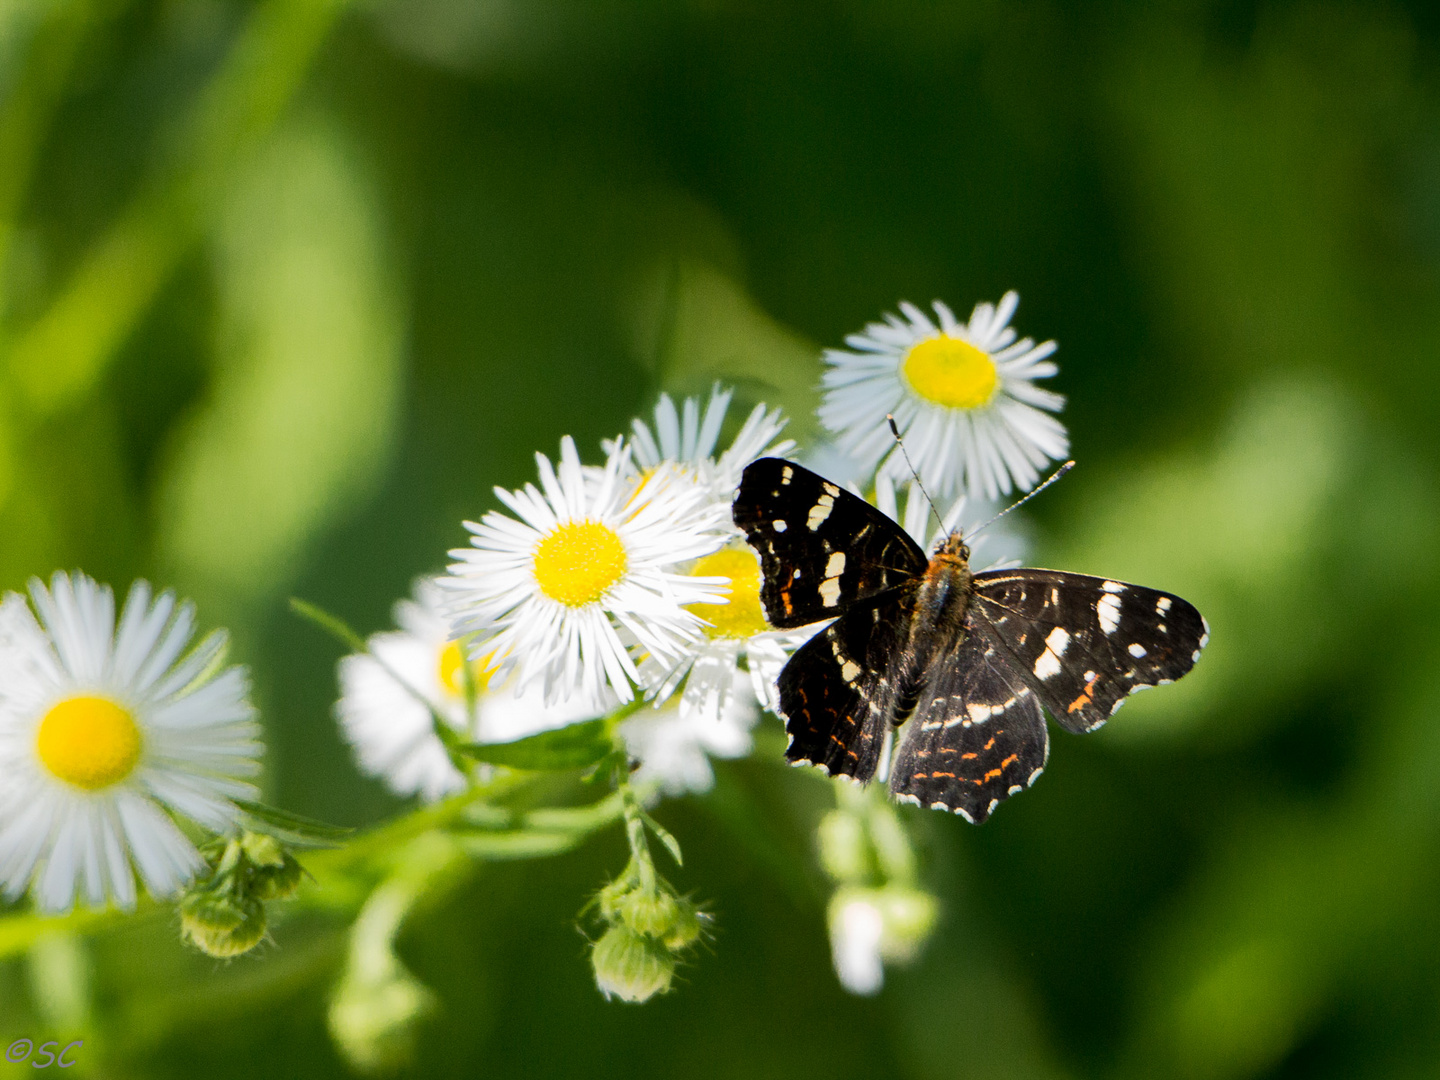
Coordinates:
(109, 731)
(963, 395)
(585, 572)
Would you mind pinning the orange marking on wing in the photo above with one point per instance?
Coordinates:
(785, 599)
(938, 775)
(968, 757)
(1013, 757)
(991, 744)
(1085, 696)
(993, 773)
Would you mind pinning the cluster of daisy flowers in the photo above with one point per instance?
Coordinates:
(619, 588)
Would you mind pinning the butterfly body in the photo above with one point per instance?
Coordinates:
(962, 661)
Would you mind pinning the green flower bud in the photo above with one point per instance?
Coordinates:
(278, 882)
(630, 966)
(653, 914)
(375, 1019)
(222, 925)
(685, 931)
(263, 850)
(844, 851)
(908, 916)
(612, 896)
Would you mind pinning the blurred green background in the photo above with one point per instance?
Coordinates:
(288, 286)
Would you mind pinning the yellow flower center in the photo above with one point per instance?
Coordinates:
(741, 617)
(452, 668)
(578, 561)
(89, 741)
(951, 372)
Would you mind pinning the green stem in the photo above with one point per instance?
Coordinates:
(635, 834)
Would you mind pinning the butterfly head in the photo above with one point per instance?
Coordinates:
(954, 547)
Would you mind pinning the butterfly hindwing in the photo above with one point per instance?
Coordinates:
(834, 692)
(1084, 644)
(977, 735)
(821, 548)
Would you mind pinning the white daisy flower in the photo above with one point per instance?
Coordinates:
(105, 731)
(963, 396)
(687, 439)
(674, 746)
(386, 696)
(563, 592)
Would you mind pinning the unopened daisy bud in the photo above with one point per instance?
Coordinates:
(373, 1019)
(612, 896)
(631, 966)
(844, 852)
(262, 850)
(649, 912)
(685, 930)
(278, 882)
(221, 924)
(908, 916)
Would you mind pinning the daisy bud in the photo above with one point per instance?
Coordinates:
(652, 913)
(908, 916)
(631, 966)
(373, 1018)
(262, 850)
(278, 882)
(844, 852)
(221, 924)
(685, 930)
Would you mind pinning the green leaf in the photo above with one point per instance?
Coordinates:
(574, 746)
(293, 829)
(663, 835)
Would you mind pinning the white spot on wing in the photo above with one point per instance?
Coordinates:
(1137, 651)
(820, 511)
(830, 592)
(1113, 587)
(1162, 605)
(779, 525)
(1058, 641)
(850, 671)
(836, 566)
(1047, 666)
(785, 474)
(1107, 608)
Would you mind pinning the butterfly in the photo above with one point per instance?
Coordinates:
(963, 661)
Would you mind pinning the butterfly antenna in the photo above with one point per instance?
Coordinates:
(1056, 475)
(895, 430)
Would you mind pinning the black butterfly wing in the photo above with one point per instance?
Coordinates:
(821, 548)
(977, 735)
(835, 691)
(1085, 644)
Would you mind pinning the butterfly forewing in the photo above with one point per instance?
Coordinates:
(977, 736)
(821, 548)
(834, 692)
(1084, 644)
